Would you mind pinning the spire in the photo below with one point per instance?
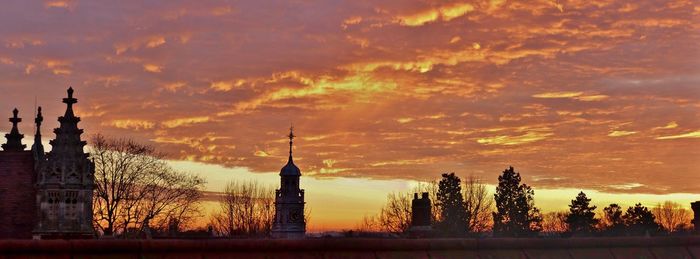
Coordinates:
(291, 141)
(38, 148)
(68, 133)
(290, 169)
(14, 139)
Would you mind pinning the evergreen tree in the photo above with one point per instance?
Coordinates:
(640, 221)
(614, 222)
(516, 213)
(452, 211)
(581, 218)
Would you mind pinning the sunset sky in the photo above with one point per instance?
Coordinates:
(601, 96)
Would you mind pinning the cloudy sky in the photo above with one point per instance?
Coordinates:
(575, 94)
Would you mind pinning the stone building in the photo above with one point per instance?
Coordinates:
(696, 215)
(289, 219)
(421, 216)
(46, 196)
(17, 185)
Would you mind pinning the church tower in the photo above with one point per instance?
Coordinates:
(65, 181)
(289, 219)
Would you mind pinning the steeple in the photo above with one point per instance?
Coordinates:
(68, 134)
(289, 200)
(290, 169)
(38, 148)
(14, 139)
(64, 172)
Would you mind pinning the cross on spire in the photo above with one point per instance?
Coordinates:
(70, 101)
(15, 119)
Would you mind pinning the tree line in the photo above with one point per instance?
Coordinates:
(137, 194)
(467, 209)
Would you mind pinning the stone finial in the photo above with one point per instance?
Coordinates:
(37, 147)
(69, 101)
(14, 139)
(39, 119)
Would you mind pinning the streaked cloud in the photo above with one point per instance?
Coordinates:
(131, 124)
(174, 123)
(558, 95)
(621, 133)
(572, 95)
(694, 134)
(59, 3)
(670, 125)
(443, 13)
(528, 137)
(152, 68)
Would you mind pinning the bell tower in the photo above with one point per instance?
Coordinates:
(289, 219)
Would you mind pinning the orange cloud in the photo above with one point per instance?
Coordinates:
(694, 134)
(444, 13)
(152, 68)
(174, 123)
(131, 124)
(507, 140)
(621, 133)
(572, 95)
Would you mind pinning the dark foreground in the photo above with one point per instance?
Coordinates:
(598, 248)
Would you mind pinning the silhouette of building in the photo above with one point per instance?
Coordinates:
(17, 185)
(46, 196)
(696, 215)
(289, 219)
(421, 215)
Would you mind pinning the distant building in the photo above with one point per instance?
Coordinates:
(46, 196)
(696, 218)
(421, 216)
(289, 219)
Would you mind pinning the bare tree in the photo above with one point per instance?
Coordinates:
(134, 186)
(555, 222)
(395, 216)
(478, 204)
(672, 216)
(169, 199)
(246, 209)
(369, 223)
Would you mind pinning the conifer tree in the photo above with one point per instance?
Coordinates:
(516, 214)
(449, 199)
(581, 218)
(640, 220)
(614, 222)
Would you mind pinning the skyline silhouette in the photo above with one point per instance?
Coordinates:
(14, 143)
(384, 95)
